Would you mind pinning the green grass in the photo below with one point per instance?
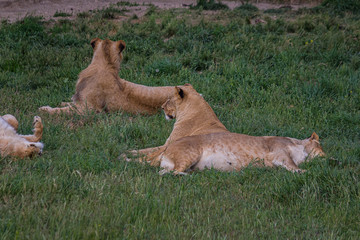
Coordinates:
(287, 77)
(339, 6)
(129, 4)
(112, 12)
(209, 5)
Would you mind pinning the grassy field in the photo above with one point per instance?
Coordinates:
(292, 75)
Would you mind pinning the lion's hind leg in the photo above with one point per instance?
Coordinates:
(179, 158)
(10, 119)
(38, 131)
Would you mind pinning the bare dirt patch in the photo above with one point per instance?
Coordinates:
(14, 10)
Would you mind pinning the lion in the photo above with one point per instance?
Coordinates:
(13, 144)
(226, 151)
(193, 115)
(100, 88)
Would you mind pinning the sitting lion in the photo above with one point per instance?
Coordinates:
(101, 89)
(193, 117)
(227, 151)
(13, 144)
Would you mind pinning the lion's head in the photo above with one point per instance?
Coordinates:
(108, 51)
(313, 147)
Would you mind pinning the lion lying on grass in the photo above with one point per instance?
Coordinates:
(193, 117)
(227, 151)
(13, 144)
(101, 89)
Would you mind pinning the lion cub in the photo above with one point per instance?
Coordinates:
(101, 89)
(227, 151)
(13, 144)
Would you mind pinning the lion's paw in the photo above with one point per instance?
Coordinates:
(123, 156)
(37, 121)
(45, 109)
(299, 171)
(66, 104)
(163, 172)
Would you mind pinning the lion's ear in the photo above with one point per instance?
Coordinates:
(122, 45)
(179, 92)
(314, 136)
(94, 42)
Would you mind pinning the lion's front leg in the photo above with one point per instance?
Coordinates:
(178, 158)
(66, 104)
(154, 158)
(59, 110)
(284, 160)
(38, 131)
(68, 108)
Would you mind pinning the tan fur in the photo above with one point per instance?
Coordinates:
(13, 144)
(232, 152)
(99, 87)
(193, 116)
(227, 151)
(10, 119)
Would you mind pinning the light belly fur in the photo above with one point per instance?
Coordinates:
(220, 159)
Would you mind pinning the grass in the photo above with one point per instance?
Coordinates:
(128, 4)
(112, 12)
(209, 5)
(288, 1)
(338, 6)
(62, 14)
(289, 76)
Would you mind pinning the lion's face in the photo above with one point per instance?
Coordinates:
(182, 95)
(169, 109)
(313, 146)
(33, 149)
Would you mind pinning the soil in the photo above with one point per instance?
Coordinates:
(13, 10)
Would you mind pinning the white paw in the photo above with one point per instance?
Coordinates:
(37, 119)
(124, 157)
(64, 104)
(180, 173)
(299, 171)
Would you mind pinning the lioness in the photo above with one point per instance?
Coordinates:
(100, 88)
(227, 151)
(13, 144)
(193, 116)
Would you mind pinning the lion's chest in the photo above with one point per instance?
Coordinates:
(298, 154)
